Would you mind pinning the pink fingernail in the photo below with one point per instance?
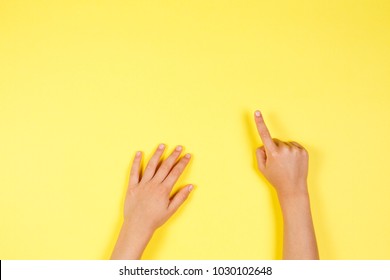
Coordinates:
(187, 156)
(179, 148)
(137, 154)
(190, 188)
(161, 146)
(257, 113)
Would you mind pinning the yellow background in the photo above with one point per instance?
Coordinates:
(85, 84)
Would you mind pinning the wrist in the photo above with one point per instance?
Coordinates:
(288, 191)
(132, 241)
(299, 196)
(133, 230)
(292, 195)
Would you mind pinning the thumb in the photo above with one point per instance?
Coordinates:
(261, 158)
(178, 199)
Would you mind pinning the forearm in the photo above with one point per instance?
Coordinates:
(131, 243)
(299, 236)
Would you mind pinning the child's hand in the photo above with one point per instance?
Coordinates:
(148, 204)
(284, 164)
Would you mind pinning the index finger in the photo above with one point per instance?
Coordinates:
(263, 132)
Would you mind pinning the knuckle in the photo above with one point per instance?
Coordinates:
(285, 148)
(166, 185)
(150, 165)
(263, 133)
(176, 171)
(164, 168)
(295, 149)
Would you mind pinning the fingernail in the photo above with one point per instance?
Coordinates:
(179, 148)
(137, 154)
(257, 113)
(190, 188)
(187, 156)
(161, 146)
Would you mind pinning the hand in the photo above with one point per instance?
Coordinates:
(283, 164)
(148, 203)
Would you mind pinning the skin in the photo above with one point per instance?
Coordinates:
(285, 166)
(149, 203)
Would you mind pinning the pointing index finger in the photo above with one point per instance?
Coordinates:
(263, 132)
